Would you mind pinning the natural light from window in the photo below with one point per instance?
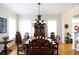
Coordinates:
(52, 27)
(25, 26)
(12, 28)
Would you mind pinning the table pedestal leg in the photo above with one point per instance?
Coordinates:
(5, 49)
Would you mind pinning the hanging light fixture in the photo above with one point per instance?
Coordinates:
(39, 20)
(39, 16)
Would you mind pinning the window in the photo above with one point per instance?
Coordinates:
(52, 27)
(24, 26)
(12, 28)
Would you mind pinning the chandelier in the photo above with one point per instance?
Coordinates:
(39, 15)
(39, 20)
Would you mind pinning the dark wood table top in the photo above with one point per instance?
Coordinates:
(5, 42)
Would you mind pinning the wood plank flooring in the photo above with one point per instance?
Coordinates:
(64, 49)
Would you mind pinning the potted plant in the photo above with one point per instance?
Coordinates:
(68, 38)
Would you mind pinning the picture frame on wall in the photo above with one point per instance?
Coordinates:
(66, 26)
(3, 25)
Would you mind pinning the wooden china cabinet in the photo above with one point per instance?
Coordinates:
(39, 45)
(39, 30)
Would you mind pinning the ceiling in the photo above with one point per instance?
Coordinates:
(32, 8)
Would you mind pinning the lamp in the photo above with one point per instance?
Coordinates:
(38, 20)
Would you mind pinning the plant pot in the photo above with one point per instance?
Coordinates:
(67, 41)
(71, 40)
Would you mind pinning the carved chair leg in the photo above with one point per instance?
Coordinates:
(17, 50)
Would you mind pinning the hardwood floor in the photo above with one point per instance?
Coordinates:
(64, 49)
(14, 50)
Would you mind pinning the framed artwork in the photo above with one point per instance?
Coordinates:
(66, 26)
(3, 25)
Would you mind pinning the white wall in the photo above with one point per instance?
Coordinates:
(6, 14)
(68, 16)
